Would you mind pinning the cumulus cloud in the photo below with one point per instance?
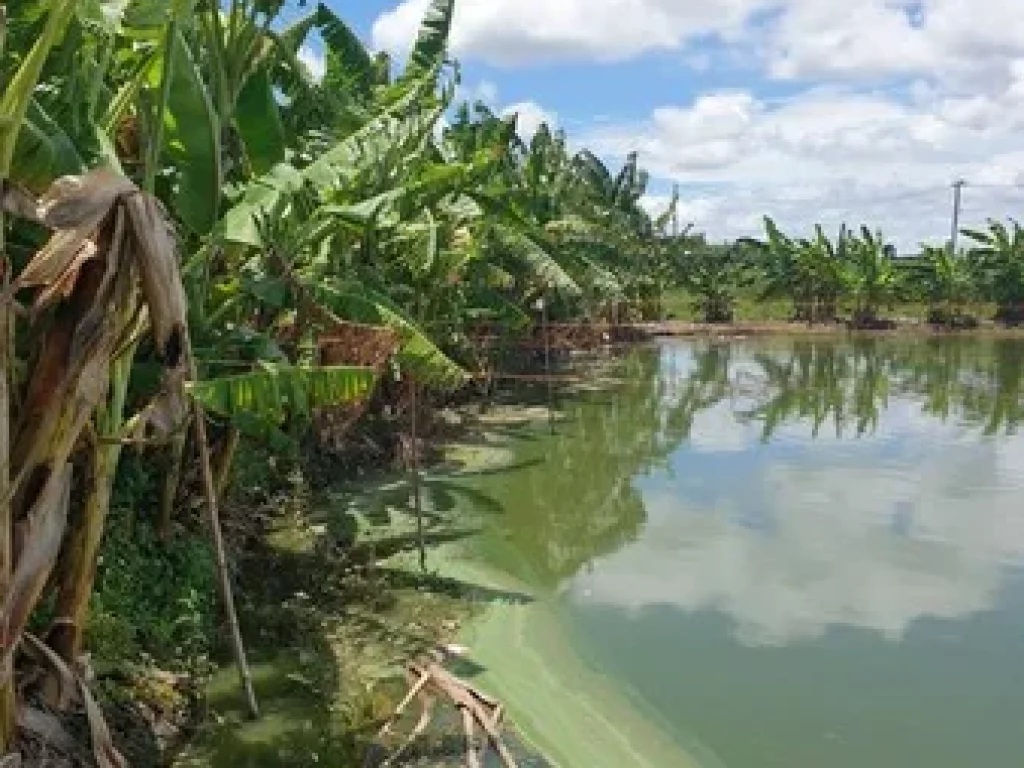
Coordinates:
(889, 101)
(796, 38)
(510, 32)
(529, 117)
(314, 61)
(834, 155)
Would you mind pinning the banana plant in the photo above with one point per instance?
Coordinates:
(872, 278)
(14, 110)
(714, 275)
(999, 253)
(808, 271)
(950, 285)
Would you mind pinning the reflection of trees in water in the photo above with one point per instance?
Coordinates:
(848, 384)
(574, 497)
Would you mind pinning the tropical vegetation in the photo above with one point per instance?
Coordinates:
(856, 275)
(189, 213)
(190, 216)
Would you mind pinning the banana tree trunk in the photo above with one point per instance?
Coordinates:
(225, 462)
(175, 459)
(76, 578)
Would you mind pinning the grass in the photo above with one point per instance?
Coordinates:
(681, 305)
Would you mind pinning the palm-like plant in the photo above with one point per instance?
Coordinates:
(999, 254)
(810, 272)
(871, 278)
(950, 285)
(715, 275)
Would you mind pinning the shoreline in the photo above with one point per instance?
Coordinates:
(784, 328)
(560, 706)
(521, 652)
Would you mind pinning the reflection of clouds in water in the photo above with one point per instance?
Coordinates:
(716, 430)
(864, 541)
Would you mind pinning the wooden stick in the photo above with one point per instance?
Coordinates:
(472, 756)
(217, 537)
(424, 678)
(421, 726)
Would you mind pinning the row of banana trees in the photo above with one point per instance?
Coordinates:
(188, 212)
(856, 271)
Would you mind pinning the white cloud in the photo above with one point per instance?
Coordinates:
(314, 62)
(527, 31)
(847, 542)
(832, 154)
(801, 37)
(484, 90)
(530, 116)
(856, 144)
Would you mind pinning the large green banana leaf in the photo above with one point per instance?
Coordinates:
(432, 42)
(272, 393)
(348, 63)
(17, 95)
(416, 353)
(192, 140)
(259, 123)
(43, 151)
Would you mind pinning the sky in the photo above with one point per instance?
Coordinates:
(811, 111)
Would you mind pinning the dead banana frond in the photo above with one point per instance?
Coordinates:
(104, 751)
(156, 259)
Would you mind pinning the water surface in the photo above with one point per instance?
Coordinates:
(790, 553)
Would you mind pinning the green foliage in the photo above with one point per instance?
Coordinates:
(270, 394)
(871, 276)
(714, 275)
(999, 255)
(152, 599)
(192, 133)
(259, 123)
(432, 42)
(950, 282)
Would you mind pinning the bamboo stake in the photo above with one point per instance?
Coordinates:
(217, 538)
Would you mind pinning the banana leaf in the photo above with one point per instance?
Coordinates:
(259, 123)
(416, 352)
(272, 393)
(192, 140)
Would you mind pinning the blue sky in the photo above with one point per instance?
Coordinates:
(807, 110)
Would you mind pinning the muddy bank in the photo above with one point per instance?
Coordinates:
(333, 605)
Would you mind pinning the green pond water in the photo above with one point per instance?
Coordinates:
(794, 553)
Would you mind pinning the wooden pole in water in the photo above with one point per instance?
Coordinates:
(217, 539)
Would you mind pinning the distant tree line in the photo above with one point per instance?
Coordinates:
(855, 275)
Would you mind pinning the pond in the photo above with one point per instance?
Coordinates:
(798, 553)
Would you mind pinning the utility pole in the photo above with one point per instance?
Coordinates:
(958, 187)
(675, 211)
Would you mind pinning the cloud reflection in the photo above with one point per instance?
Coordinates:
(792, 540)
